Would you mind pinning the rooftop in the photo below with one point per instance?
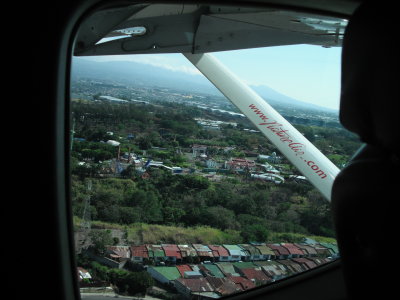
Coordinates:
(196, 284)
(171, 273)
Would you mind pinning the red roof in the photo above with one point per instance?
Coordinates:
(196, 284)
(139, 251)
(218, 250)
(223, 286)
(253, 274)
(183, 268)
(242, 283)
(293, 249)
(307, 262)
(172, 250)
(278, 249)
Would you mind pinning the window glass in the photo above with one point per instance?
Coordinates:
(175, 192)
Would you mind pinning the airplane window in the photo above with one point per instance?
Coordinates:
(175, 192)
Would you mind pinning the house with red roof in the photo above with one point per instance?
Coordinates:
(306, 263)
(203, 252)
(139, 253)
(184, 268)
(294, 251)
(223, 286)
(256, 275)
(172, 253)
(194, 286)
(219, 253)
(242, 283)
(280, 252)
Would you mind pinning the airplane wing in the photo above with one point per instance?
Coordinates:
(172, 28)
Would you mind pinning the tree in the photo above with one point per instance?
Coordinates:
(100, 239)
(131, 283)
(220, 217)
(129, 172)
(255, 233)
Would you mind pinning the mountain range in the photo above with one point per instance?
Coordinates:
(141, 74)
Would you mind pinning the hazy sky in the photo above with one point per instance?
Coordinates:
(304, 72)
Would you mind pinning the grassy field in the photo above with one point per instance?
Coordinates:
(140, 233)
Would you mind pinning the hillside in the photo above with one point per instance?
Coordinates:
(140, 74)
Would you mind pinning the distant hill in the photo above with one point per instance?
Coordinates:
(128, 72)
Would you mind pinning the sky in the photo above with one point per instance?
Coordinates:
(304, 72)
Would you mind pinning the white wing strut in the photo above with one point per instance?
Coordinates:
(302, 153)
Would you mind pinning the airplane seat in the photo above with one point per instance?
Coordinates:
(366, 191)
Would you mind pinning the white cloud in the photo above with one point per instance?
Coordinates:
(172, 62)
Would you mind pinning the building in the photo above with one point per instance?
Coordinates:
(308, 250)
(255, 275)
(199, 150)
(242, 283)
(240, 164)
(116, 256)
(172, 253)
(156, 253)
(253, 252)
(266, 252)
(280, 252)
(219, 253)
(83, 274)
(236, 253)
(294, 251)
(332, 248)
(165, 275)
(227, 269)
(139, 253)
(292, 266)
(184, 268)
(187, 252)
(223, 286)
(273, 269)
(203, 252)
(306, 263)
(188, 287)
(211, 270)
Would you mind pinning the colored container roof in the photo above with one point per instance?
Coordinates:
(223, 286)
(187, 250)
(242, 283)
(333, 248)
(171, 250)
(196, 284)
(139, 251)
(235, 250)
(293, 266)
(307, 249)
(278, 249)
(119, 251)
(203, 250)
(292, 248)
(254, 274)
(218, 250)
(171, 273)
(244, 264)
(273, 269)
(265, 250)
(309, 264)
(213, 270)
(155, 251)
(252, 250)
(227, 268)
(183, 268)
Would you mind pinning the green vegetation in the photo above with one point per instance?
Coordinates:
(161, 207)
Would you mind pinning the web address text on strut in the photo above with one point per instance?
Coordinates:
(282, 133)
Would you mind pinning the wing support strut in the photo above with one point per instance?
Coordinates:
(319, 170)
